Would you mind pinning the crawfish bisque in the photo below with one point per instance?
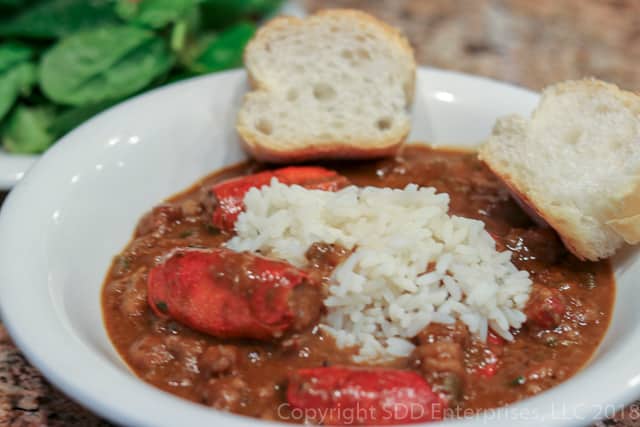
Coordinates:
(245, 332)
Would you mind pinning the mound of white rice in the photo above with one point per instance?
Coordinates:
(383, 294)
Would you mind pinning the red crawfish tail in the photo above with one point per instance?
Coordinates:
(347, 396)
(229, 294)
(229, 194)
(311, 177)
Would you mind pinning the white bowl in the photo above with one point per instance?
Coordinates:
(13, 167)
(78, 206)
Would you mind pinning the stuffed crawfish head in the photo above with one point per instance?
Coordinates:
(230, 294)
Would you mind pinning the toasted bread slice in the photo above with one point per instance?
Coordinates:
(576, 163)
(336, 84)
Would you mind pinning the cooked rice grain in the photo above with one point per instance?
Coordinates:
(383, 295)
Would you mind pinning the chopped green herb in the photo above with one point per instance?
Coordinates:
(186, 234)
(518, 381)
(162, 307)
(212, 230)
(124, 263)
(551, 341)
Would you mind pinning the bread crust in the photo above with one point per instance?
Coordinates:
(626, 220)
(560, 221)
(621, 221)
(332, 152)
(262, 148)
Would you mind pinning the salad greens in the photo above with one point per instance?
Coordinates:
(27, 130)
(224, 51)
(58, 18)
(155, 13)
(103, 64)
(63, 61)
(17, 74)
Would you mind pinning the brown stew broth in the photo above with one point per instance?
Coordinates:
(250, 377)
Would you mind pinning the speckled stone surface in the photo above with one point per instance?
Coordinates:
(27, 400)
(528, 42)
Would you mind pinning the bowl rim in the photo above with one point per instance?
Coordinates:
(13, 167)
(134, 404)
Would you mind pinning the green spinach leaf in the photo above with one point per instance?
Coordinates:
(13, 53)
(11, 3)
(8, 7)
(17, 75)
(99, 60)
(105, 64)
(27, 130)
(58, 18)
(73, 117)
(17, 81)
(221, 13)
(224, 51)
(155, 13)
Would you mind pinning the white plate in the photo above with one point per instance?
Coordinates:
(78, 206)
(13, 168)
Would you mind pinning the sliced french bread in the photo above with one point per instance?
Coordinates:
(336, 84)
(576, 163)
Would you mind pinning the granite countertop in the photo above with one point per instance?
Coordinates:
(529, 42)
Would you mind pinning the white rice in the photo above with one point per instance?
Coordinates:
(382, 294)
